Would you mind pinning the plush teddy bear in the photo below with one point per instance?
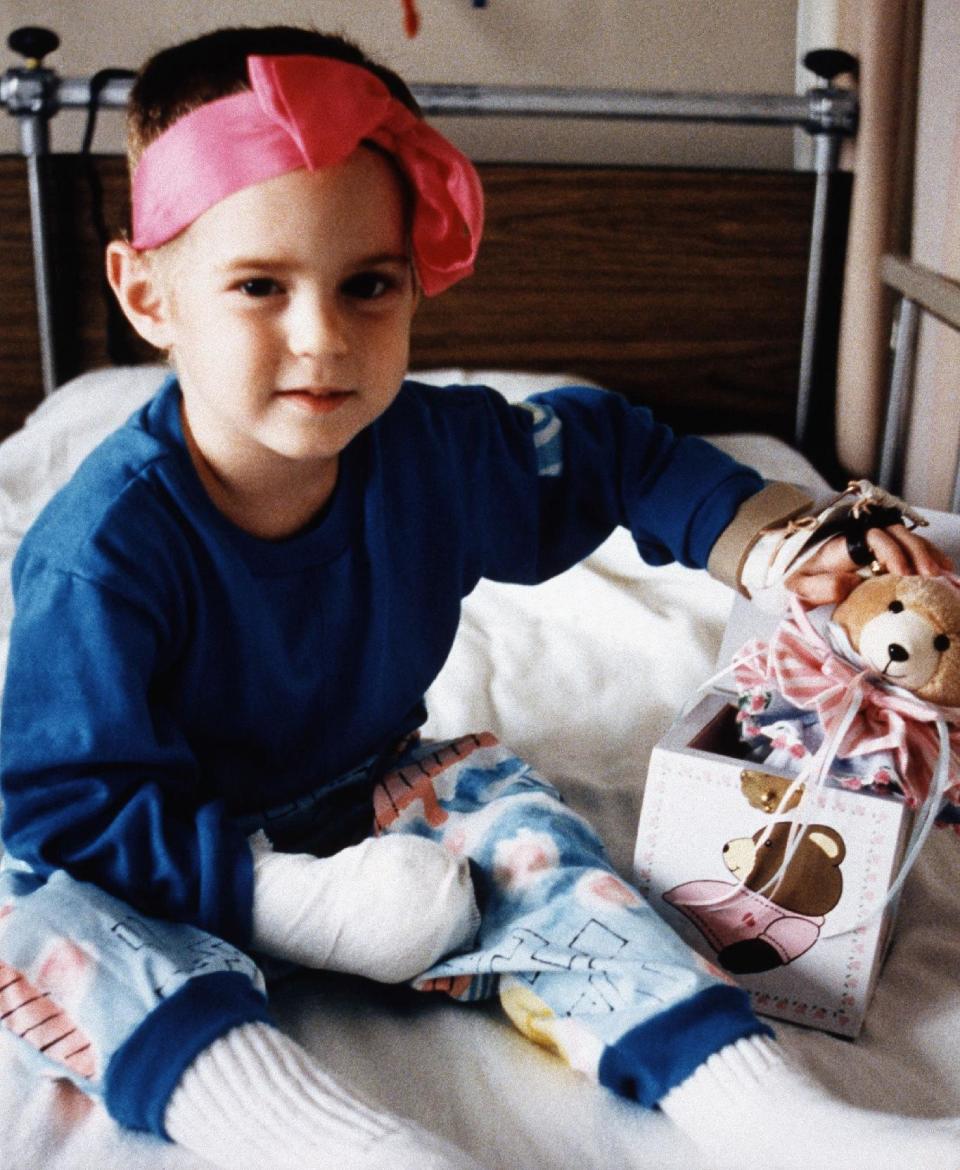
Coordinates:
(875, 677)
(767, 918)
(907, 629)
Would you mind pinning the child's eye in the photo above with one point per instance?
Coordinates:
(259, 286)
(368, 286)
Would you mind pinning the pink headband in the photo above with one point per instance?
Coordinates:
(309, 112)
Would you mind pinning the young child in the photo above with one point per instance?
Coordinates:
(226, 623)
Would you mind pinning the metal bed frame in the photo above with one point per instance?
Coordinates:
(920, 290)
(33, 93)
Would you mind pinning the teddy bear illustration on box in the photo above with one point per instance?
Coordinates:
(788, 879)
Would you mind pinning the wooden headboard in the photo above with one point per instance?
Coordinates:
(683, 289)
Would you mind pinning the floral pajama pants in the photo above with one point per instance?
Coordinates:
(121, 1003)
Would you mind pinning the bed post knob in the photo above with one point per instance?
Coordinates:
(34, 43)
(830, 63)
(833, 109)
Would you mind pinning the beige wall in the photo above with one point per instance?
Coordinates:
(703, 45)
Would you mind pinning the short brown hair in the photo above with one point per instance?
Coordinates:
(183, 77)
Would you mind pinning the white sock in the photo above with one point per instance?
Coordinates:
(255, 1098)
(748, 1107)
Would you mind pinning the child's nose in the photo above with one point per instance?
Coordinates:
(317, 328)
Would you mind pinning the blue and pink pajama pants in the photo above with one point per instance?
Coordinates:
(121, 1004)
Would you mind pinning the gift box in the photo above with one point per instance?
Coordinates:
(783, 888)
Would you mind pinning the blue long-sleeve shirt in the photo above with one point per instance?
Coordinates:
(169, 673)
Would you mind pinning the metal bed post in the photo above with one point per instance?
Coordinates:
(29, 93)
(833, 120)
(921, 291)
(828, 112)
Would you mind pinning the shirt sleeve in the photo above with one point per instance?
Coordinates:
(96, 778)
(601, 463)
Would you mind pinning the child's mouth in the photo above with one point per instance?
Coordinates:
(316, 401)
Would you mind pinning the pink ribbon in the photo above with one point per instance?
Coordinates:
(804, 668)
(310, 112)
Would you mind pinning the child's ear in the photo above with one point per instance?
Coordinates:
(135, 279)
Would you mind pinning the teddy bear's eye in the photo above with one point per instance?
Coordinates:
(895, 607)
(941, 642)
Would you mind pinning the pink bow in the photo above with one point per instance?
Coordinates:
(802, 666)
(310, 112)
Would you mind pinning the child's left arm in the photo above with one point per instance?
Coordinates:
(600, 462)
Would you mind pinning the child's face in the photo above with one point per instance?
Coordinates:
(287, 313)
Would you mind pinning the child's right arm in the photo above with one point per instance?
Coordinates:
(97, 778)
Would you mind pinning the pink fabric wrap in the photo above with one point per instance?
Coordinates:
(310, 112)
(803, 667)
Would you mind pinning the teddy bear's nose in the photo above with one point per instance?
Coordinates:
(897, 652)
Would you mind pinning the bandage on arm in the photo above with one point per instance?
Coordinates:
(736, 550)
(386, 909)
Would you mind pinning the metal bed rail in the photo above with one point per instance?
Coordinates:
(33, 93)
(921, 290)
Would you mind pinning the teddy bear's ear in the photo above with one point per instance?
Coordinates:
(864, 603)
(829, 841)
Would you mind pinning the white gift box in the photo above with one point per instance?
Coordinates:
(792, 902)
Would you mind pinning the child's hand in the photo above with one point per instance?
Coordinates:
(829, 575)
(386, 909)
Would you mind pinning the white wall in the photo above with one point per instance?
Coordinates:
(700, 45)
(932, 457)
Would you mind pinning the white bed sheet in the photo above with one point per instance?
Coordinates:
(581, 675)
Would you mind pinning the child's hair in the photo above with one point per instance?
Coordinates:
(179, 79)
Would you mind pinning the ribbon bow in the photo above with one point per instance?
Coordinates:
(800, 663)
(306, 111)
